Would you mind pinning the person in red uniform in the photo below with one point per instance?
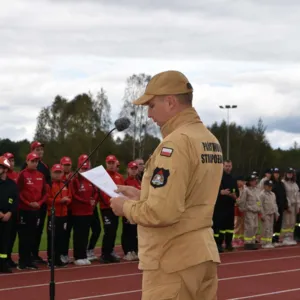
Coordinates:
(13, 175)
(95, 224)
(66, 163)
(8, 204)
(38, 148)
(110, 220)
(33, 195)
(129, 234)
(62, 202)
(84, 200)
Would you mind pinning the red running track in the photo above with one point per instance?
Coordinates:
(262, 274)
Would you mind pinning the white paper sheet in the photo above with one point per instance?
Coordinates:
(100, 178)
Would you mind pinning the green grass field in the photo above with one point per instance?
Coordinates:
(43, 245)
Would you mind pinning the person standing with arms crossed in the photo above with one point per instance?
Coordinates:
(173, 211)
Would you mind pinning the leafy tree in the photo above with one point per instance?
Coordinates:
(141, 126)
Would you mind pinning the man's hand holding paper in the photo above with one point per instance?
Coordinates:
(100, 178)
(129, 191)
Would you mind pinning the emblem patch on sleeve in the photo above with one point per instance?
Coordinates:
(159, 177)
(166, 151)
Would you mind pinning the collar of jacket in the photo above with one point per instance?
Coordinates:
(187, 116)
(111, 172)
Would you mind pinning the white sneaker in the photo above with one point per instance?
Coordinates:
(87, 261)
(91, 255)
(65, 259)
(267, 246)
(115, 255)
(82, 262)
(135, 256)
(292, 242)
(129, 256)
(277, 245)
(285, 242)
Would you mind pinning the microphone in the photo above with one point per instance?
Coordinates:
(120, 124)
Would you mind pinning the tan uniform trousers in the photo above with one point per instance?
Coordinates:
(251, 226)
(194, 283)
(239, 227)
(289, 221)
(267, 229)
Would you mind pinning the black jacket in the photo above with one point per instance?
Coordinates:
(226, 202)
(280, 193)
(9, 196)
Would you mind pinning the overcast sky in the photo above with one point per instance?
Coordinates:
(244, 52)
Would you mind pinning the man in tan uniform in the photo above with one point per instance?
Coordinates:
(177, 250)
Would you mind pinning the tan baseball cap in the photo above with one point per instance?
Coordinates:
(165, 83)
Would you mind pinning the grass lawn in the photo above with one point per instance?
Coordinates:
(43, 245)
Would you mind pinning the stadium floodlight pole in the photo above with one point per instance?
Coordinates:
(120, 124)
(228, 107)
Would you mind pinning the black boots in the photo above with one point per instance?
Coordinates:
(4, 268)
(251, 246)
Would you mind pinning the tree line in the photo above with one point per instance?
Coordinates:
(75, 126)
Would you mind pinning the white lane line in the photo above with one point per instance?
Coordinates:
(135, 262)
(69, 281)
(140, 273)
(259, 274)
(266, 294)
(222, 279)
(69, 268)
(107, 295)
(258, 260)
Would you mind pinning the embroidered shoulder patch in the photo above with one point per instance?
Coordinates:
(166, 151)
(159, 177)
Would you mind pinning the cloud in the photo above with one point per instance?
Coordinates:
(283, 139)
(243, 52)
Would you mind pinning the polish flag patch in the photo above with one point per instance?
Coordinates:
(166, 152)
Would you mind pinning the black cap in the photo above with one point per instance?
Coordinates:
(290, 170)
(251, 178)
(276, 170)
(268, 171)
(268, 182)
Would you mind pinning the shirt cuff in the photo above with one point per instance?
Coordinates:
(127, 206)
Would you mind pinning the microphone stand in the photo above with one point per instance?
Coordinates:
(52, 279)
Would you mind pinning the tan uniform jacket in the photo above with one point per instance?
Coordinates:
(268, 203)
(179, 190)
(249, 200)
(292, 192)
